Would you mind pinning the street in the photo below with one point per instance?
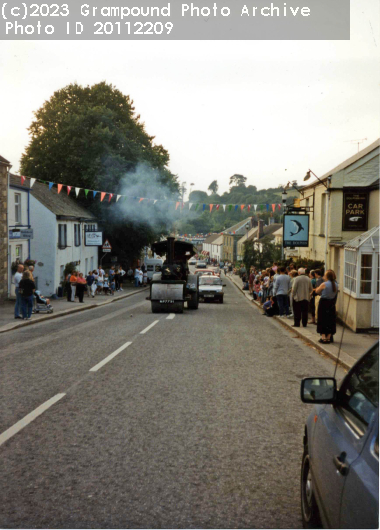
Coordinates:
(196, 423)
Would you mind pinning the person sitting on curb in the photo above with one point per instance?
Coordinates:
(268, 307)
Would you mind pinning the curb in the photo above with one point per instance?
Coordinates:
(345, 360)
(69, 312)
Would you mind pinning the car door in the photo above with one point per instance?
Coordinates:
(360, 499)
(340, 435)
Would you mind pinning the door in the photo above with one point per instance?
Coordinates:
(341, 433)
(375, 302)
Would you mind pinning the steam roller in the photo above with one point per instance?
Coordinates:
(172, 284)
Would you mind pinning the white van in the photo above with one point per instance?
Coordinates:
(153, 265)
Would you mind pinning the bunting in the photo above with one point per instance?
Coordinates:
(110, 197)
(217, 207)
(255, 206)
(22, 180)
(102, 195)
(51, 184)
(77, 191)
(94, 194)
(236, 207)
(86, 193)
(242, 207)
(68, 189)
(211, 207)
(59, 187)
(204, 207)
(224, 207)
(32, 181)
(190, 205)
(117, 197)
(176, 206)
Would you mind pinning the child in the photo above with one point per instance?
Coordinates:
(268, 307)
(112, 286)
(105, 285)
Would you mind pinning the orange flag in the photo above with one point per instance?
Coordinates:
(273, 207)
(59, 186)
(211, 207)
(242, 207)
(68, 190)
(177, 204)
(141, 199)
(102, 195)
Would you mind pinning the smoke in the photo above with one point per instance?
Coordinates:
(147, 183)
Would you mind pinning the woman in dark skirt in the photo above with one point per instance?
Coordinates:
(328, 291)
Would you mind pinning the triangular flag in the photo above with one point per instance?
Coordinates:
(59, 187)
(204, 207)
(217, 207)
(242, 207)
(255, 206)
(68, 189)
(155, 200)
(182, 206)
(102, 195)
(141, 199)
(196, 206)
(23, 180)
(224, 207)
(93, 194)
(267, 205)
(51, 184)
(86, 193)
(279, 206)
(32, 181)
(110, 197)
(274, 207)
(117, 197)
(190, 205)
(236, 207)
(249, 207)
(176, 205)
(77, 190)
(211, 207)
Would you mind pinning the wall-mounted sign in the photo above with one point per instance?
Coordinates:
(296, 230)
(93, 239)
(355, 211)
(22, 233)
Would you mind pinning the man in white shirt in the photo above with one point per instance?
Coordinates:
(16, 280)
(100, 271)
(137, 276)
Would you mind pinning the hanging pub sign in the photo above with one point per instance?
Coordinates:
(296, 230)
(355, 211)
(93, 239)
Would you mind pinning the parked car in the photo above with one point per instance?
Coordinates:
(340, 464)
(192, 261)
(210, 288)
(205, 272)
(201, 265)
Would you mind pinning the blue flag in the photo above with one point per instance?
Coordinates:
(204, 207)
(94, 193)
(51, 184)
(236, 207)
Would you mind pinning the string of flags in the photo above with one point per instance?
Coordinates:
(194, 206)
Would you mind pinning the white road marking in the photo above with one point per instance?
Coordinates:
(110, 357)
(149, 327)
(171, 316)
(29, 418)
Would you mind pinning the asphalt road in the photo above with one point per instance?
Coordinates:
(197, 423)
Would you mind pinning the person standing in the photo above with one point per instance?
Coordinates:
(16, 280)
(318, 282)
(81, 287)
(328, 291)
(121, 276)
(90, 281)
(251, 279)
(302, 290)
(117, 278)
(130, 274)
(312, 299)
(26, 290)
(280, 290)
(137, 276)
(73, 285)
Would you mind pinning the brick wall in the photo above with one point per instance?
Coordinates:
(3, 233)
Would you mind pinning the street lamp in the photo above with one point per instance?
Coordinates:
(308, 175)
(247, 229)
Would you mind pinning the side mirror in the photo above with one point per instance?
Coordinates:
(318, 390)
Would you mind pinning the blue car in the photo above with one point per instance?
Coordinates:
(340, 464)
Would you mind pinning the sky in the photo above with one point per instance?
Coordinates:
(269, 110)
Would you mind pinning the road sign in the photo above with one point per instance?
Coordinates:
(106, 246)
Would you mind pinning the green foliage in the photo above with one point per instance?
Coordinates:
(238, 180)
(69, 269)
(261, 255)
(199, 196)
(91, 137)
(214, 186)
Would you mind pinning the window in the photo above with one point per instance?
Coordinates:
(350, 270)
(62, 236)
(359, 394)
(18, 208)
(77, 235)
(19, 253)
(366, 274)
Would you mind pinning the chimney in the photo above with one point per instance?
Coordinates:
(261, 228)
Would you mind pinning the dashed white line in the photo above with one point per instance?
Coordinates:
(171, 316)
(149, 327)
(110, 357)
(29, 418)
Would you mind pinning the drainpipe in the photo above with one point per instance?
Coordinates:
(327, 221)
(9, 271)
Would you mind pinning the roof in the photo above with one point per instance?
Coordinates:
(218, 241)
(238, 226)
(359, 240)
(279, 232)
(15, 180)
(252, 233)
(60, 204)
(271, 229)
(346, 163)
(4, 161)
(211, 238)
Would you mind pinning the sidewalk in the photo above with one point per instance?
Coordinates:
(353, 345)
(62, 307)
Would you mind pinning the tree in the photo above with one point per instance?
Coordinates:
(261, 253)
(214, 187)
(198, 196)
(91, 137)
(237, 180)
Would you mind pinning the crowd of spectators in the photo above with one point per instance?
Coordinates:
(307, 297)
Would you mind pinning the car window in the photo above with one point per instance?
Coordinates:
(209, 280)
(359, 394)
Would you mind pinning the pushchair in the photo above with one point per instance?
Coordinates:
(41, 304)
